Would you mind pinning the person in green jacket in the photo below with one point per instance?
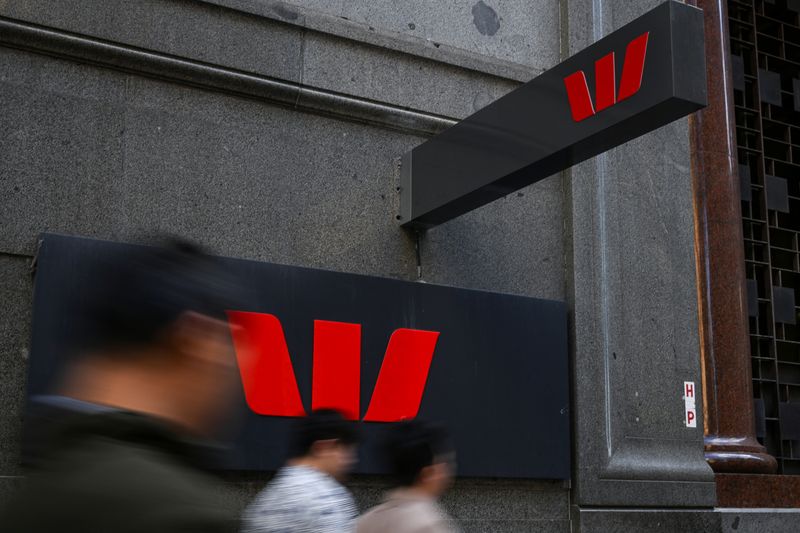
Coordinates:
(118, 443)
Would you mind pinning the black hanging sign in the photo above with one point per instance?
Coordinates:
(639, 78)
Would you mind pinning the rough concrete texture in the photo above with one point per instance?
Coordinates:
(16, 292)
(635, 327)
(124, 154)
(591, 20)
(475, 245)
(635, 311)
(195, 30)
(668, 521)
(254, 44)
(397, 78)
(497, 28)
(646, 521)
(314, 20)
(109, 155)
(759, 520)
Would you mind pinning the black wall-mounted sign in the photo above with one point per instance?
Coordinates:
(639, 78)
(492, 367)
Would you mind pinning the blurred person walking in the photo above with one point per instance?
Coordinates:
(423, 461)
(306, 495)
(149, 385)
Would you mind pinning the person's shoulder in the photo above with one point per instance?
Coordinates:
(134, 477)
(117, 485)
(169, 489)
(289, 492)
(372, 515)
(304, 498)
(146, 472)
(405, 516)
(307, 481)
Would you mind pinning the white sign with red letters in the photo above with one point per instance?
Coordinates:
(690, 418)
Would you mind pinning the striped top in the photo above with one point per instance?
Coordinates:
(300, 499)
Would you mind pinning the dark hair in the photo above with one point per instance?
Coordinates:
(137, 292)
(323, 424)
(413, 445)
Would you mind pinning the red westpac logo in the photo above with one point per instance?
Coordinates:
(605, 81)
(269, 382)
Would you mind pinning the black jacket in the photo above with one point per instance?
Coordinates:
(118, 472)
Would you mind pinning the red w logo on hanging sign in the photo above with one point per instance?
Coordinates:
(606, 95)
(269, 382)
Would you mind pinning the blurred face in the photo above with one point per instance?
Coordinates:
(209, 376)
(438, 477)
(223, 379)
(335, 458)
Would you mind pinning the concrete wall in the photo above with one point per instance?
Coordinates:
(268, 131)
(499, 30)
(631, 272)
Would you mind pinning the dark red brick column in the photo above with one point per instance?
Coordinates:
(730, 441)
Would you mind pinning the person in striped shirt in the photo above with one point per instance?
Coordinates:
(306, 495)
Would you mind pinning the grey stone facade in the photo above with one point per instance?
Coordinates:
(271, 131)
(636, 334)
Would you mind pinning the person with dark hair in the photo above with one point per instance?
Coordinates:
(152, 377)
(422, 459)
(305, 495)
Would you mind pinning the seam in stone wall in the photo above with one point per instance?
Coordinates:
(355, 31)
(61, 44)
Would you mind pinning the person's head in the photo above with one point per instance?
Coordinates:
(325, 441)
(154, 320)
(421, 456)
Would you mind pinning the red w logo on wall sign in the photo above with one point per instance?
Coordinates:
(580, 101)
(269, 382)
